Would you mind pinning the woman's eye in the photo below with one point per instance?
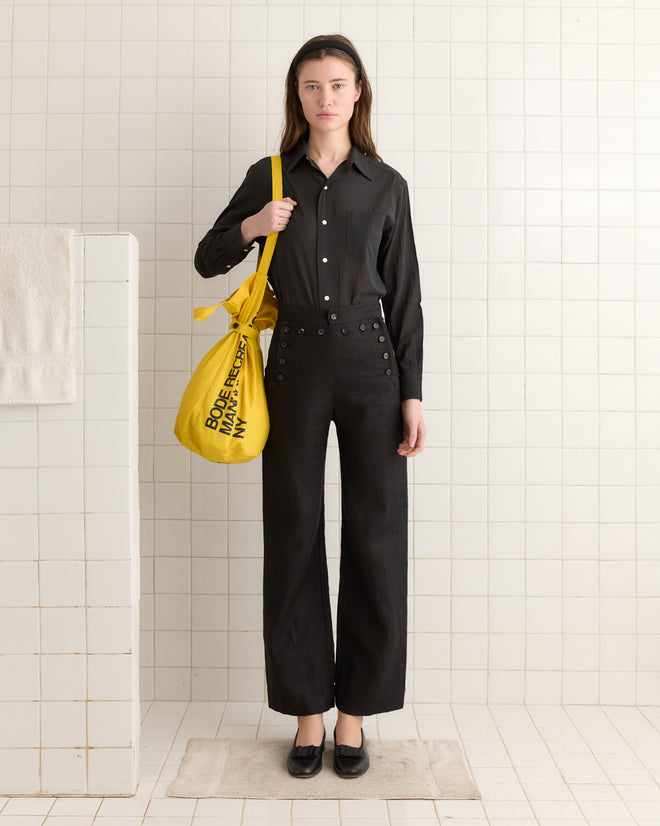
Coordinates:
(339, 85)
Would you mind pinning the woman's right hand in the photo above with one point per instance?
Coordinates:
(274, 217)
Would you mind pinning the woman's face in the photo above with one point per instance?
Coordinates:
(327, 92)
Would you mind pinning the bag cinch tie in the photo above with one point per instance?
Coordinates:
(244, 329)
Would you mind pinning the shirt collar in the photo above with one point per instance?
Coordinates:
(355, 157)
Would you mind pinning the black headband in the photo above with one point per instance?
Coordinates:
(317, 45)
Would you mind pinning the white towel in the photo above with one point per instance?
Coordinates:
(36, 316)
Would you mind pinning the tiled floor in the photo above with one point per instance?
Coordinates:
(547, 765)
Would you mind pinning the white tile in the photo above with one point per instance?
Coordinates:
(63, 725)
(108, 490)
(119, 809)
(76, 807)
(63, 771)
(108, 536)
(60, 444)
(19, 677)
(19, 630)
(109, 444)
(18, 490)
(110, 724)
(110, 677)
(61, 583)
(25, 807)
(63, 677)
(216, 821)
(60, 489)
(62, 630)
(314, 809)
(109, 583)
(111, 771)
(171, 807)
(20, 722)
(109, 630)
(61, 536)
(18, 584)
(107, 396)
(107, 257)
(20, 534)
(18, 444)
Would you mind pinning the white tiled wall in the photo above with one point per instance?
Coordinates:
(528, 134)
(69, 587)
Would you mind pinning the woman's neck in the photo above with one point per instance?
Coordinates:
(329, 149)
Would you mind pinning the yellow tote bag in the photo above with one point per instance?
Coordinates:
(223, 414)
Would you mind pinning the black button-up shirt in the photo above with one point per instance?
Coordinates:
(349, 241)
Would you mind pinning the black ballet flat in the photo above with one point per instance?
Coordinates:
(350, 761)
(305, 761)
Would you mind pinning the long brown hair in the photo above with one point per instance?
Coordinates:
(359, 128)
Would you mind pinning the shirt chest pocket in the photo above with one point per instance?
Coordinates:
(363, 233)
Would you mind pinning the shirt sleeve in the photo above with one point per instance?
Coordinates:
(399, 270)
(222, 247)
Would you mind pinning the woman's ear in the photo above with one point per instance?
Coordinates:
(358, 91)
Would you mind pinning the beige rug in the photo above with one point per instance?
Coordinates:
(400, 770)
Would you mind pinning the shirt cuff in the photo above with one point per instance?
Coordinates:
(411, 387)
(237, 249)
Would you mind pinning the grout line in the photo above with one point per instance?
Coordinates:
(599, 644)
(85, 654)
(562, 568)
(579, 731)
(635, 423)
(512, 762)
(461, 741)
(450, 342)
(600, 709)
(489, 380)
(191, 363)
(616, 727)
(525, 557)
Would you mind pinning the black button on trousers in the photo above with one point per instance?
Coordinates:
(323, 367)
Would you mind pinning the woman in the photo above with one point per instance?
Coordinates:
(345, 248)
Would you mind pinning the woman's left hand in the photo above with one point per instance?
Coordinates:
(414, 429)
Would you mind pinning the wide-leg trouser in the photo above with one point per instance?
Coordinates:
(334, 366)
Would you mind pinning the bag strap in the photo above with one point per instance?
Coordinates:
(269, 248)
(200, 313)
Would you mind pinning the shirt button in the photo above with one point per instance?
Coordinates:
(325, 187)
(301, 331)
(381, 339)
(324, 222)
(326, 298)
(388, 372)
(282, 361)
(325, 260)
(344, 330)
(363, 327)
(284, 344)
(320, 331)
(386, 355)
(376, 325)
(280, 376)
(333, 316)
(286, 329)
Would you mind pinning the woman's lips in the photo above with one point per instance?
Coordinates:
(325, 115)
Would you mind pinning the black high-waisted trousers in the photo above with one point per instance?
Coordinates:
(334, 365)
